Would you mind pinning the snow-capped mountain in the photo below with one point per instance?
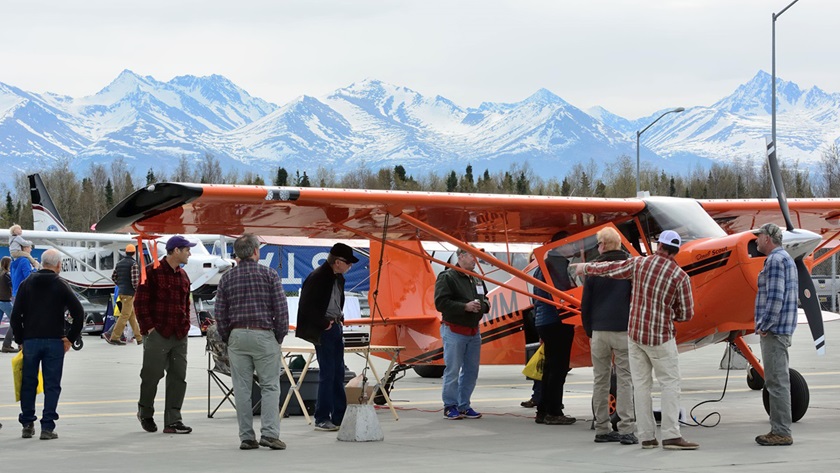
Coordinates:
(151, 124)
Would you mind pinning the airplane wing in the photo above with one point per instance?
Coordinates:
(49, 237)
(821, 216)
(345, 213)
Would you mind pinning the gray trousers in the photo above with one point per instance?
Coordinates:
(161, 355)
(255, 351)
(602, 347)
(774, 351)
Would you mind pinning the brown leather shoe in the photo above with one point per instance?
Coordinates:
(774, 440)
(679, 443)
(647, 444)
(529, 403)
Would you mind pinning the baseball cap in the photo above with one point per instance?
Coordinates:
(772, 230)
(671, 238)
(177, 241)
(343, 251)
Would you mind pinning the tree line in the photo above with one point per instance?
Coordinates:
(82, 200)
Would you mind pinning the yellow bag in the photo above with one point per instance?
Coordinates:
(17, 373)
(534, 368)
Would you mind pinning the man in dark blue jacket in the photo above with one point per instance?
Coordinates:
(319, 319)
(38, 320)
(605, 310)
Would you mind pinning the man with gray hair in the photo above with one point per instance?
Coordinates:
(775, 321)
(38, 321)
(252, 317)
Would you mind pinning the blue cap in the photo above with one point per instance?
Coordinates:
(177, 241)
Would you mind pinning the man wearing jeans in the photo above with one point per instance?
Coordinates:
(462, 301)
(38, 321)
(775, 321)
(319, 319)
(661, 295)
(162, 305)
(252, 317)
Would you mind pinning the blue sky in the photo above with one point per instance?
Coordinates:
(632, 57)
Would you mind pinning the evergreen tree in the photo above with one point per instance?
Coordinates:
(150, 177)
(282, 177)
(452, 182)
(109, 194)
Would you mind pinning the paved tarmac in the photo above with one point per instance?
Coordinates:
(99, 432)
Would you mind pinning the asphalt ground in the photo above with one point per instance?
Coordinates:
(98, 430)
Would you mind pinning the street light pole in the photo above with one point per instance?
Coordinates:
(639, 134)
(773, 88)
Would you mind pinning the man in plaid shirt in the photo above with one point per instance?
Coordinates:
(661, 295)
(775, 321)
(252, 317)
(162, 305)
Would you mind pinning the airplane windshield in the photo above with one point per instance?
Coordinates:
(685, 216)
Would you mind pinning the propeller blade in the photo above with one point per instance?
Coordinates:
(811, 305)
(778, 185)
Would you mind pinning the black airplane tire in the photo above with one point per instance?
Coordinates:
(78, 344)
(429, 371)
(800, 396)
(754, 381)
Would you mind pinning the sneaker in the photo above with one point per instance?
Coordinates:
(529, 403)
(611, 436)
(48, 435)
(679, 443)
(147, 423)
(274, 444)
(629, 439)
(249, 445)
(559, 420)
(177, 428)
(114, 342)
(471, 414)
(28, 431)
(451, 413)
(325, 426)
(646, 444)
(774, 440)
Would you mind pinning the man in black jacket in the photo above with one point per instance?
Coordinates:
(38, 320)
(605, 310)
(320, 314)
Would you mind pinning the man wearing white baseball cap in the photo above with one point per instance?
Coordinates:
(661, 296)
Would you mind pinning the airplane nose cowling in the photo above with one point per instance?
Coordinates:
(800, 243)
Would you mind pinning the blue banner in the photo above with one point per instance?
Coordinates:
(294, 263)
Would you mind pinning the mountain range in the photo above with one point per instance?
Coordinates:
(152, 124)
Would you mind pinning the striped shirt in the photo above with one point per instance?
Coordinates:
(778, 292)
(661, 295)
(251, 296)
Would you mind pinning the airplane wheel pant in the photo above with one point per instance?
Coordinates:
(163, 354)
(557, 340)
(774, 352)
(665, 361)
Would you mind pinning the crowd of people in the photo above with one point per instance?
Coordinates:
(629, 307)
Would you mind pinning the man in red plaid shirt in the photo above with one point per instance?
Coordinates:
(162, 304)
(661, 295)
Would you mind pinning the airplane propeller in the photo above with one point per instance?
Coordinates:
(799, 241)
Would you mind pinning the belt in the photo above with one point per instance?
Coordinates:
(250, 328)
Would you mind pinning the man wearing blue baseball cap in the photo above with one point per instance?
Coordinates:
(162, 306)
(661, 295)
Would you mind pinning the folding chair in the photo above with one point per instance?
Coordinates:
(217, 351)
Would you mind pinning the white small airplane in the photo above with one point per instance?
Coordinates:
(88, 259)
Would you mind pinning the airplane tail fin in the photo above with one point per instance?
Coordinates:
(44, 214)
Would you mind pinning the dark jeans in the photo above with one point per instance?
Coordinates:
(332, 402)
(557, 339)
(48, 354)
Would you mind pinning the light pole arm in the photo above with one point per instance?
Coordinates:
(638, 136)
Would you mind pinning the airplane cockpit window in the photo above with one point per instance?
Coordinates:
(558, 259)
(684, 216)
(106, 259)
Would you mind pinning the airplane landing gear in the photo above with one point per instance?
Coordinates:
(754, 380)
(800, 396)
(429, 371)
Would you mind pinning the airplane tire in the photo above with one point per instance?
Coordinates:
(78, 343)
(754, 381)
(429, 371)
(800, 396)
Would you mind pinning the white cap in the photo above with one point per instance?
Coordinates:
(670, 237)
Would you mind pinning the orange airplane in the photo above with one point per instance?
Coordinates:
(719, 253)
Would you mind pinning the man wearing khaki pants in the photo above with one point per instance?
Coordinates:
(126, 276)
